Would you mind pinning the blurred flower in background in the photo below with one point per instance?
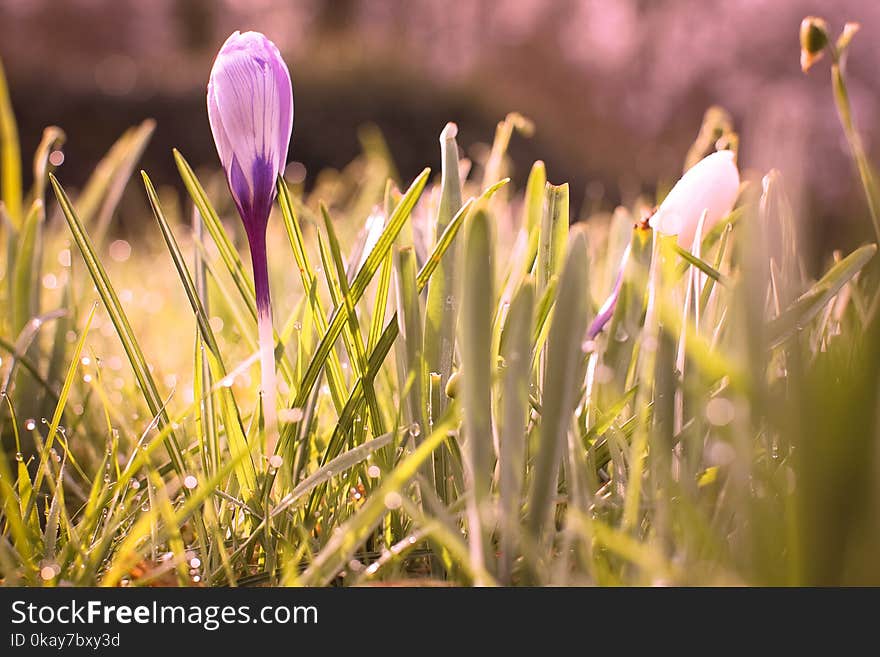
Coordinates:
(616, 88)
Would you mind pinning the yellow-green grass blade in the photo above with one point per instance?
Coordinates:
(351, 535)
(627, 318)
(513, 403)
(228, 254)
(553, 235)
(563, 378)
(409, 315)
(441, 308)
(62, 397)
(26, 273)
(358, 287)
(310, 289)
(53, 139)
(807, 306)
(11, 191)
(246, 473)
(477, 361)
(119, 319)
(103, 191)
(357, 350)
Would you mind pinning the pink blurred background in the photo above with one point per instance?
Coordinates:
(617, 88)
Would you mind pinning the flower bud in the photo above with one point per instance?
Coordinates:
(814, 39)
(711, 185)
(250, 107)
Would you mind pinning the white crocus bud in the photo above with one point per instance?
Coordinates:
(711, 185)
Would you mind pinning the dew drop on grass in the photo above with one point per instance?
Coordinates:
(190, 482)
(290, 415)
(393, 500)
(720, 411)
(30, 424)
(604, 374)
(195, 562)
(373, 471)
(19, 457)
(135, 484)
(275, 461)
(415, 430)
(47, 573)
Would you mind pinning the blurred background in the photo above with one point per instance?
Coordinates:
(616, 88)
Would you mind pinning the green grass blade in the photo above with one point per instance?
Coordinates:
(11, 191)
(62, 398)
(808, 305)
(345, 542)
(358, 287)
(238, 446)
(477, 361)
(119, 319)
(26, 274)
(53, 139)
(441, 309)
(628, 317)
(563, 378)
(513, 414)
(409, 315)
(553, 235)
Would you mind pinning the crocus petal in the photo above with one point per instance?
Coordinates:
(607, 310)
(710, 185)
(250, 108)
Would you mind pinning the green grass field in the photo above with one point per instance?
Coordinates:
(442, 417)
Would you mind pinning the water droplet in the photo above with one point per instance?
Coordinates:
(720, 453)
(195, 562)
(720, 411)
(604, 374)
(190, 482)
(415, 430)
(373, 471)
(290, 415)
(275, 461)
(47, 573)
(393, 500)
(107, 478)
(19, 457)
(135, 484)
(30, 424)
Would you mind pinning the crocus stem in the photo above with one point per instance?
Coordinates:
(266, 338)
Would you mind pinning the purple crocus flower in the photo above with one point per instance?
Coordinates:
(250, 107)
